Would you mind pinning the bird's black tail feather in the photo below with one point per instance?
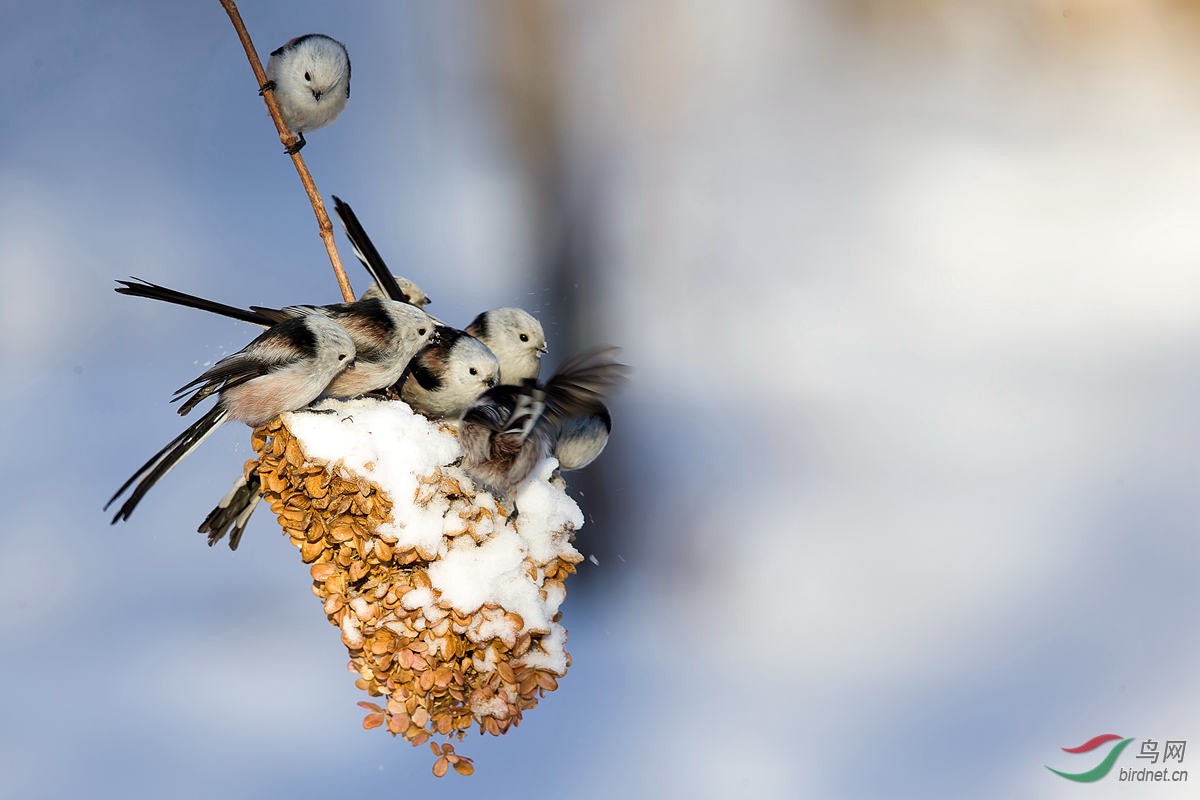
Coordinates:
(155, 292)
(366, 252)
(162, 461)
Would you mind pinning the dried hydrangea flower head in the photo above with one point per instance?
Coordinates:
(450, 613)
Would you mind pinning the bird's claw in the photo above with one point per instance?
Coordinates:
(296, 146)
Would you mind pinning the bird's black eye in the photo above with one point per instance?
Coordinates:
(474, 371)
(524, 337)
(420, 331)
(342, 357)
(307, 77)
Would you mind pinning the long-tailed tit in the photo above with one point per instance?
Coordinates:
(447, 376)
(517, 340)
(387, 334)
(310, 76)
(386, 283)
(508, 431)
(284, 369)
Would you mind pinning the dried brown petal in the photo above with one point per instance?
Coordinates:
(292, 452)
(323, 571)
(311, 551)
(383, 550)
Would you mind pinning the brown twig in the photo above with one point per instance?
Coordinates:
(288, 139)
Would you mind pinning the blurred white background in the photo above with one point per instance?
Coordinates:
(902, 498)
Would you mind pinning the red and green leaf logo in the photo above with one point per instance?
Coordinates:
(1100, 770)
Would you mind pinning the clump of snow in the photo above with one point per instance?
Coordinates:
(470, 574)
(389, 445)
(544, 510)
(550, 653)
(491, 707)
(417, 598)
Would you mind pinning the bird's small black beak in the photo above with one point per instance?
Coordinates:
(317, 96)
(490, 382)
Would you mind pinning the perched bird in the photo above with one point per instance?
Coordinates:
(310, 77)
(516, 338)
(284, 369)
(508, 431)
(447, 376)
(387, 334)
(386, 284)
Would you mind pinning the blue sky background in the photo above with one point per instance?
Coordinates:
(901, 500)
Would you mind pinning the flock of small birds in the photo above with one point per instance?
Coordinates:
(485, 377)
